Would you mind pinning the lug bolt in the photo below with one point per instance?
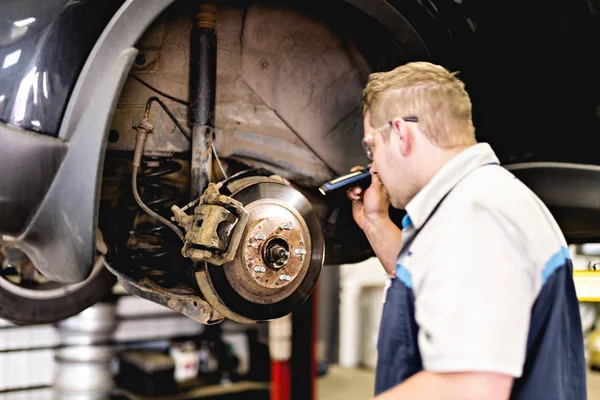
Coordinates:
(300, 252)
(260, 236)
(286, 227)
(285, 278)
(260, 269)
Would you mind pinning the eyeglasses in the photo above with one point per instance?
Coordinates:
(366, 142)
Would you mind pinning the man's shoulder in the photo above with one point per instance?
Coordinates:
(509, 208)
(495, 188)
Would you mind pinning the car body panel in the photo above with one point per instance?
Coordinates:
(34, 161)
(43, 46)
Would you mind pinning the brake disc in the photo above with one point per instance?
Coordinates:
(278, 260)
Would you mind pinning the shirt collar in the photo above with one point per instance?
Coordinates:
(423, 204)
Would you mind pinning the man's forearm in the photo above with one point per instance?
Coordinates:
(453, 386)
(386, 239)
(421, 386)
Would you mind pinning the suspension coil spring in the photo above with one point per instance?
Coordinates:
(151, 243)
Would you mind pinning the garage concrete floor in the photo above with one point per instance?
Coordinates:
(357, 384)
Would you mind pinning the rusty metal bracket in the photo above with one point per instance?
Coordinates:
(181, 298)
(214, 232)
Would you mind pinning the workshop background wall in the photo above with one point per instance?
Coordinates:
(361, 295)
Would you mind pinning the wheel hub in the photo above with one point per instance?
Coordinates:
(273, 259)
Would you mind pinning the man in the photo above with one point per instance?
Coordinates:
(481, 302)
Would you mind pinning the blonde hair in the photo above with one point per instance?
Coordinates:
(426, 91)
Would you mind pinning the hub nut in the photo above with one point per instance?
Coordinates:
(276, 253)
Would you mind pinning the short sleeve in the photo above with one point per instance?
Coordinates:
(473, 305)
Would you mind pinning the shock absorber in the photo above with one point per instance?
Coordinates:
(151, 242)
(203, 76)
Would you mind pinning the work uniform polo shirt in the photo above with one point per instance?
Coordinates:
(483, 283)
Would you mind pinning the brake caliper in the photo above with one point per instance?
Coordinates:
(214, 232)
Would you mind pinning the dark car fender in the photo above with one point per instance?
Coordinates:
(60, 237)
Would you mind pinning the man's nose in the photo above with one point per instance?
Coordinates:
(372, 168)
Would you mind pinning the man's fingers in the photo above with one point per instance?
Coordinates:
(356, 168)
(355, 193)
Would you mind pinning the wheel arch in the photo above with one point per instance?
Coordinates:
(60, 235)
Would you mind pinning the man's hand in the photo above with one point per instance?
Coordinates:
(371, 207)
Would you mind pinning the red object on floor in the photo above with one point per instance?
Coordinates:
(280, 380)
(313, 342)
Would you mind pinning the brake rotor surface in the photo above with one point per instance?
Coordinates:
(279, 258)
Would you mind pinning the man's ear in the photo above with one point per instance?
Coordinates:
(405, 135)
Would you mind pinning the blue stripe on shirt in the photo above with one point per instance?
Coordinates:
(558, 260)
(406, 221)
(404, 276)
